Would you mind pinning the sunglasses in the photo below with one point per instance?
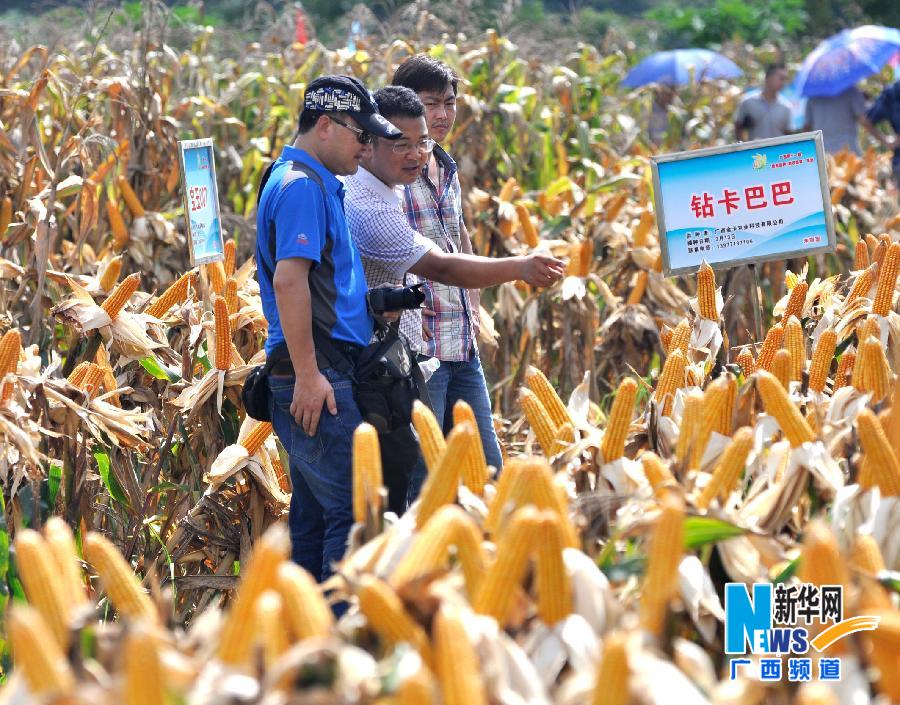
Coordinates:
(362, 136)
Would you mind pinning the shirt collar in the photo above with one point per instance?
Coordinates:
(329, 180)
(444, 160)
(366, 178)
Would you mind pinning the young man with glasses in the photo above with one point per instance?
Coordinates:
(313, 294)
(392, 249)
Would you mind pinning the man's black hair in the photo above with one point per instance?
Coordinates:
(773, 67)
(425, 73)
(307, 120)
(398, 101)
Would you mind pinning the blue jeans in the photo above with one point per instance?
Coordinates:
(451, 382)
(321, 511)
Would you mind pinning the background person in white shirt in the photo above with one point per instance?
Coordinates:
(765, 115)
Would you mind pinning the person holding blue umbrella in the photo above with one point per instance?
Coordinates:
(886, 108)
(765, 115)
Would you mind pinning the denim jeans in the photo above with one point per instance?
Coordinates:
(321, 511)
(451, 382)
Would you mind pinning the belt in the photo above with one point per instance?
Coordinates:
(283, 366)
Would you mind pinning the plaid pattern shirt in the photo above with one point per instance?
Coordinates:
(386, 242)
(436, 212)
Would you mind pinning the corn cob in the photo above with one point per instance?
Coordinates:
(821, 562)
(887, 281)
(796, 302)
(235, 640)
(215, 275)
(663, 558)
(44, 591)
(176, 293)
(892, 422)
(691, 423)
(111, 273)
(306, 611)
(417, 689)
(723, 423)
(815, 693)
(254, 440)
(821, 361)
(879, 457)
(431, 439)
(565, 437)
(508, 189)
(36, 653)
(475, 471)
(116, 301)
(883, 656)
(613, 445)
(93, 378)
(268, 614)
(585, 258)
(871, 242)
(67, 567)
(117, 225)
(612, 677)
(442, 485)
(658, 263)
(231, 297)
(5, 214)
(367, 477)
(665, 337)
(230, 255)
(76, 376)
(656, 471)
(845, 367)
(495, 596)
(456, 662)
(553, 583)
(866, 555)
(223, 334)
(109, 378)
(529, 232)
(386, 615)
(547, 395)
(10, 350)
(871, 372)
(880, 252)
(795, 343)
(534, 484)
(866, 327)
(745, 360)
(639, 234)
(781, 367)
(118, 579)
(502, 496)
(613, 206)
(144, 683)
(790, 280)
(779, 405)
(729, 469)
(539, 419)
(861, 286)
(131, 198)
(770, 346)
(637, 291)
(671, 379)
(681, 338)
(706, 292)
(861, 261)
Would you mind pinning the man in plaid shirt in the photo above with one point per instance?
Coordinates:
(392, 250)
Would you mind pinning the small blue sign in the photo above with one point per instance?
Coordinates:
(201, 201)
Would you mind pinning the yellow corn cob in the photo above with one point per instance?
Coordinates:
(779, 405)
(367, 477)
(118, 579)
(639, 234)
(663, 557)
(42, 587)
(565, 437)
(431, 437)
(796, 302)
(144, 682)
(111, 274)
(880, 459)
(691, 423)
(821, 361)
(816, 693)
(456, 662)
(671, 379)
(887, 281)
(231, 297)
(529, 232)
(67, 567)
(268, 613)
(417, 689)
(534, 484)
(475, 469)
(501, 501)
(76, 376)
(36, 653)
(495, 596)
(723, 423)
(729, 469)
(658, 263)
(553, 583)
(656, 471)
(386, 615)
(441, 486)
(781, 367)
(892, 422)
(215, 274)
(539, 419)
(10, 350)
(131, 198)
(795, 343)
(307, 613)
(223, 334)
(117, 225)
(770, 346)
(845, 367)
(706, 292)
(681, 337)
(612, 677)
(861, 286)
(230, 254)
(880, 252)
(612, 207)
(585, 258)
(866, 555)
(637, 291)
(120, 295)
(884, 653)
(236, 638)
(861, 261)
(821, 563)
(109, 378)
(791, 280)
(547, 395)
(866, 327)
(613, 445)
(5, 214)
(665, 337)
(745, 360)
(93, 378)
(176, 293)
(254, 440)
(449, 526)
(871, 372)
(508, 189)
(871, 241)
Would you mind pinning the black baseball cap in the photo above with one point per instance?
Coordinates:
(345, 94)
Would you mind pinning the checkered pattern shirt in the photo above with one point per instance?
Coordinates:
(385, 240)
(436, 212)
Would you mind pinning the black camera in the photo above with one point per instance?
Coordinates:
(395, 299)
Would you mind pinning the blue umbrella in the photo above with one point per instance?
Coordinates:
(842, 60)
(675, 68)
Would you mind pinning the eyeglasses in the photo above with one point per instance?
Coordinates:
(424, 145)
(362, 136)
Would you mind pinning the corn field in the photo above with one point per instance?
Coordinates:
(654, 449)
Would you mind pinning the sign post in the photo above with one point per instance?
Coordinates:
(201, 201)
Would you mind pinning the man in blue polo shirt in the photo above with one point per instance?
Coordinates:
(313, 293)
(886, 108)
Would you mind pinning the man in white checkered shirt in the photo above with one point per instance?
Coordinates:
(392, 251)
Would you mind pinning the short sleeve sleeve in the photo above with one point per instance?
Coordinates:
(300, 221)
